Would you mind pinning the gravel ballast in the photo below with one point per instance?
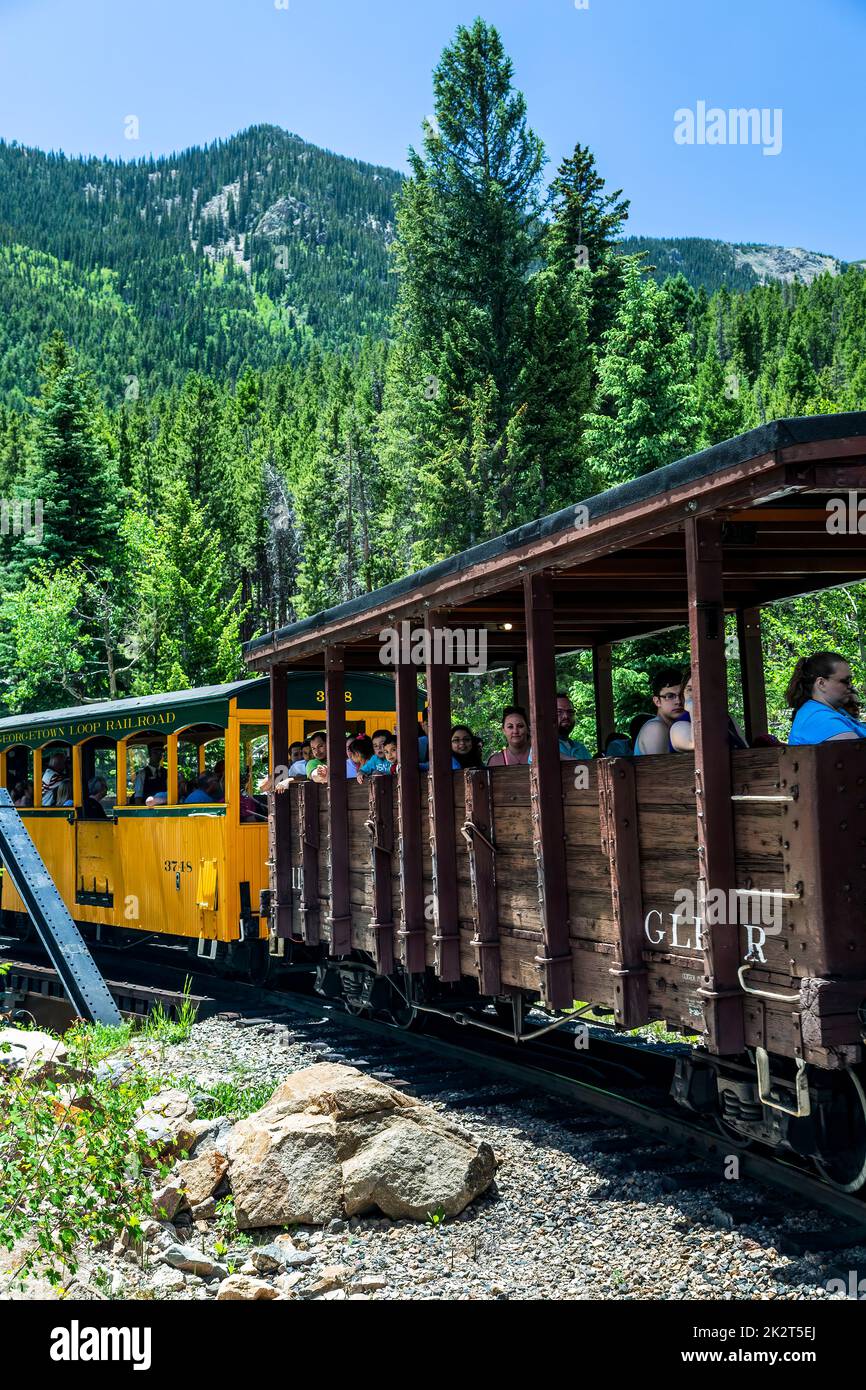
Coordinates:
(581, 1208)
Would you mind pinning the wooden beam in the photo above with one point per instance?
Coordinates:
(602, 680)
(280, 808)
(617, 800)
(479, 835)
(443, 846)
(723, 1007)
(546, 792)
(412, 932)
(308, 833)
(381, 828)
(340, 919)
(520, 684)
(752, 671)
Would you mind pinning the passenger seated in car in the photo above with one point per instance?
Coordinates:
(515, 727)
(378, 737)
(618, 746)
(391, 754)
(22, 794)
(821, 694)
(568, 747)
(465, 748)
(360, 750)
(655, 734)
(201, 791)
(93, 808)
(683, 730)
(318, 752)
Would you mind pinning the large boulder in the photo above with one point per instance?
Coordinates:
(332, 1142)
(30, 1053)
(330, 1088)
(283, 1169)
(413, 1164)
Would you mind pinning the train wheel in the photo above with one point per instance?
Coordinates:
(846, 1169)
(403, 1015)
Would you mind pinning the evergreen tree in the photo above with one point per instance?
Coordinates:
(644, 388)
(545, 462)
(467, 232)
(797, 383)
(585, 231)
(183, 610)
(70, 478)
(720, 401)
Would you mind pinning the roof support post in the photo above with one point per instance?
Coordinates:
(602, 680)
(752, 671)
(412, 931)
(548, 822)
(171, 772)
(280, 808)
(723, 1007)
(520, 684)
(340, 919)
(381, 827)
(443, 845)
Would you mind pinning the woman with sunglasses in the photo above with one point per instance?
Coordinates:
(821, 694)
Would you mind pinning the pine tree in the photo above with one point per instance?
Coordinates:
(720, 400)
(71, 478)
(545, 463)
(184, 609)
(796, 383)
(645, 389)
(467, 232)
(585, 229)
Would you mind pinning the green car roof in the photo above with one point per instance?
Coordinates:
(163, 714)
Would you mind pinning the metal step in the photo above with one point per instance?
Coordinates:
(85, 988)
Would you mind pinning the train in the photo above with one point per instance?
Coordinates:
(558, 885)
(484, 892)
(192, 871)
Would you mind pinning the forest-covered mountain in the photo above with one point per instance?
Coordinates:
(214, 259)
(236, 255)
(736, 266)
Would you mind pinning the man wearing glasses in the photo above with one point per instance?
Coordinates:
(655, 737)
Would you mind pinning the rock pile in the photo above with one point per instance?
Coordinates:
(330, 1143)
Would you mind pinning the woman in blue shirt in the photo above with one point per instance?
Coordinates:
(820, 688)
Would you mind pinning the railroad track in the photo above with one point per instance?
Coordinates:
(609, 1087)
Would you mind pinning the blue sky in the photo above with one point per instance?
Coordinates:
(355, 77)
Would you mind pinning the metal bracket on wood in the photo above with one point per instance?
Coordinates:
(340, 935)
(803, 1106)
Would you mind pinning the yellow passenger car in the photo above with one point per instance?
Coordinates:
(148, 812)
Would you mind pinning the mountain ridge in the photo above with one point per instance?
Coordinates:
(246, 251)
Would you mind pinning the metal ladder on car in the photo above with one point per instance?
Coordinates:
(83, 982)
